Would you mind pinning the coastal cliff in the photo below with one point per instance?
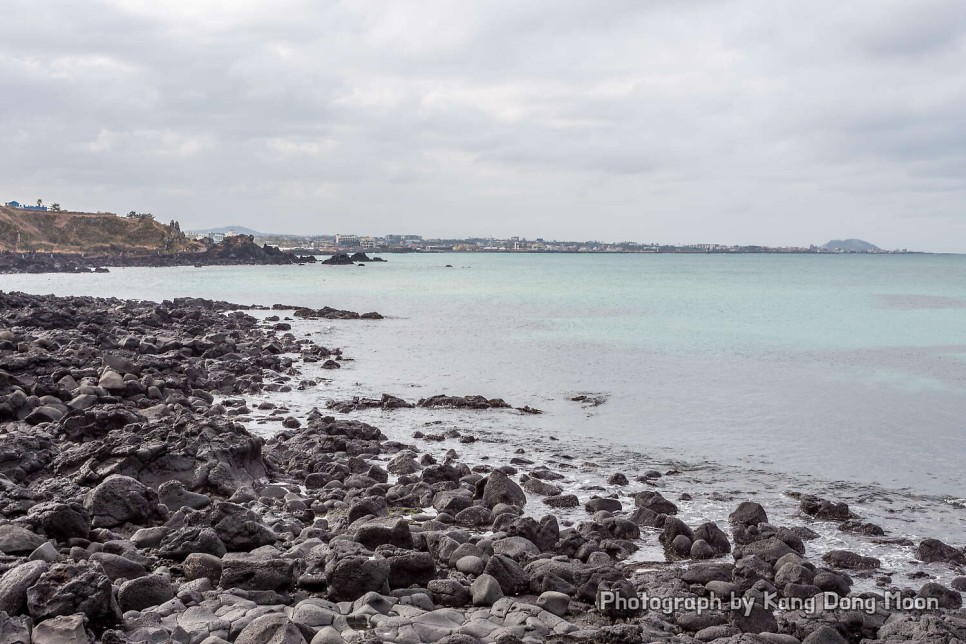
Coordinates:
(72, 242)
(84, 232)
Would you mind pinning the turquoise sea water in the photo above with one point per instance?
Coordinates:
(847, 368)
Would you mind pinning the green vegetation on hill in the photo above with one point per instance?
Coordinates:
(75, 232)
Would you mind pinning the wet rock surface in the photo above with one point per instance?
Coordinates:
(135, 506)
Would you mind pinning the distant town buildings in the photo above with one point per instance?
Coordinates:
(397, 243)
(350, 241)
(16, 204)
(216, 237)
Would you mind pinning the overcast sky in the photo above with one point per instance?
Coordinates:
(679, 121)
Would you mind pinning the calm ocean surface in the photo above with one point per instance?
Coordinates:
(832, 368)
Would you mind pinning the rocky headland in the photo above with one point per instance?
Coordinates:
(135, 506)
(233, 251)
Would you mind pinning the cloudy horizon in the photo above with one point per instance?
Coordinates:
(777, 123)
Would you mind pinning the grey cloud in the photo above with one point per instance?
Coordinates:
(732, 121)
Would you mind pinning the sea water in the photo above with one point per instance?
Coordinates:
(839, 375)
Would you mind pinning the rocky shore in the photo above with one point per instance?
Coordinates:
(135, 506)
(237, 250)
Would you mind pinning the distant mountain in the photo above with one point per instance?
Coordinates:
(850, 245)
(241, 230)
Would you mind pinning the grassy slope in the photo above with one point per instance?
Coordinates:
(84, 232)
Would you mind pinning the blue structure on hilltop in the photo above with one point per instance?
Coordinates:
(15, 204)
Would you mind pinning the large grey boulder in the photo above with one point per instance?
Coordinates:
(112, 381)
(714, 536)
(82, 402)
(274, 628)
(120, 364)
(470, 565)
(756, 619)
(377, 532)
(149, 537)
(174, 496)
(474, 516)
(328, 635)
(66, 629)
(512, 578)
(144, 592)
(187, 540)
(452, 501)
(17, 540)
(831, 581)
(252, 572)
(824, 635)
(597, 504)
(14, 630)
(500, 488)
(67, 589)
(945, 597)
(314, 613)
(748, 513)
(536, 486)
(201, 565)
(448, 592)
(14, 585)
(240, 529)
(824, 509)
(351, 577)
(850, 560)
(517, 548)
(61, 521)
(408, 567)
(121, 499)
(44, 414)
(486, 590)
(655, 502)
(771, 550)
(932, 550)
(118, 566)
(554, 602)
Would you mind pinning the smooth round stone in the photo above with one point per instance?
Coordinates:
(470, 565)
(554, 602)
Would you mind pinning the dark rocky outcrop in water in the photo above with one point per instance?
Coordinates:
(462, 402)
(387, 401)
(441, 401)
(242, 249)
(362, 257)
(339, 260)
(344, 259)
(329, 313)
(444, 401)
(135, 507)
